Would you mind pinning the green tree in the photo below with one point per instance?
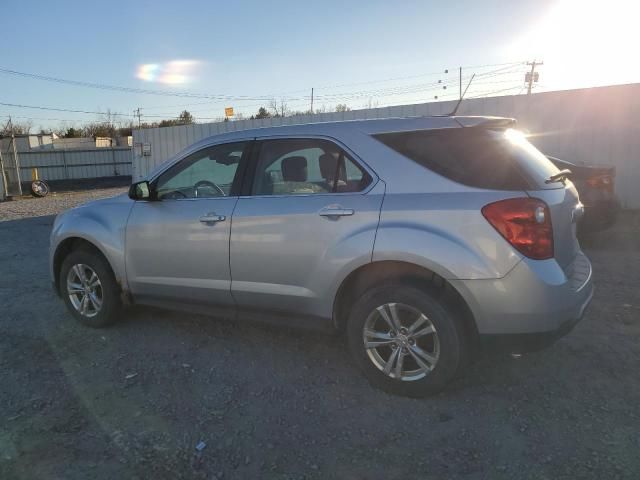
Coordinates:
(185, 118)
(262, 113)
(72, 133)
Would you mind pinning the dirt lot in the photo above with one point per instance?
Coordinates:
(134, 400)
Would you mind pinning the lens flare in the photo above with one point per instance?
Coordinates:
(515, 136)
(175, 72)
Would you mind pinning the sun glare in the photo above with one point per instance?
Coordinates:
(516, 137)
(584, 43)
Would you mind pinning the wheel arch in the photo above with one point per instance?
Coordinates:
(70, 244)
(390, 271)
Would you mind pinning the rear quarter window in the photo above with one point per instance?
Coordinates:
(476, 157)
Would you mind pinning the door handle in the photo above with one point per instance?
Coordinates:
(212, 218)
(335, 211)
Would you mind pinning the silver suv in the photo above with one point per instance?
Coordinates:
(419, 238)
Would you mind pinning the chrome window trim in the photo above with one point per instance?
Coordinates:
(188, 199)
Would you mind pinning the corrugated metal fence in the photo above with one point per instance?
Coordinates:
(596, 125)
(76, 164)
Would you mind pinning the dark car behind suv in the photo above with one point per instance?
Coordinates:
(596, 186)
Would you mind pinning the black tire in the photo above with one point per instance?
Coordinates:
(111, 307)
(39, 188)
(451, 337)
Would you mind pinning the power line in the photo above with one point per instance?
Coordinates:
(37, 107)
(75, 120)
(431, 74)
(183, 94)
(490, 93)
(406, 90)
(420, 90)
(355, 95)
(102, 86)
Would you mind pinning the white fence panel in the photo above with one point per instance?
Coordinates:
(597, 125)
(76, 164)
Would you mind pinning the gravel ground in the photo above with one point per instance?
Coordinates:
(134, 400)
(52, 204)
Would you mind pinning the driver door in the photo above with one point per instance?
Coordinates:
(177, 243)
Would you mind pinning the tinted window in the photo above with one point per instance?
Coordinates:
(535, 163)
(204, 174)
(472, 156)
(306, 166)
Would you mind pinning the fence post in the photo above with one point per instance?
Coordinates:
(16, 162)
(3, 179)
(64, 164)
(113, 160)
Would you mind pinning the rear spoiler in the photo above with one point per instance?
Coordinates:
(487, 122)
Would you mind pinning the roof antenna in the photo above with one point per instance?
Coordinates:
(462, 97)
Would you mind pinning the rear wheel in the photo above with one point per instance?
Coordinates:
(405, 340)
(89, 289)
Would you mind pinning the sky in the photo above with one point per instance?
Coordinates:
(245, 54)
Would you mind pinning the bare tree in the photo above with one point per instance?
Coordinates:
(273, 106)
(372, 103)
(281, 110)
(20, 128)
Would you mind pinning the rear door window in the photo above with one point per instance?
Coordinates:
(304, 167)
(477, 157)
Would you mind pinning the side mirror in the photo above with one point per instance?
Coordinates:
(140, 191)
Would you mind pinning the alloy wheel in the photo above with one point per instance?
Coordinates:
(401, 341)
(84, 290)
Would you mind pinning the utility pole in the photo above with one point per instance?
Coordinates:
(312, 100)
(532, 76)
(136, 113)
(460, 70)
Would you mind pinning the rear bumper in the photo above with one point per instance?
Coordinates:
(536, 303)
(529, 342)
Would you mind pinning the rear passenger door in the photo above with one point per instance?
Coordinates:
(308, 213)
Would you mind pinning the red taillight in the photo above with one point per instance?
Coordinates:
(602, 182)
(525, 223)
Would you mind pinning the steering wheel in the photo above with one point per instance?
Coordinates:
(206, 183)
(173, 194)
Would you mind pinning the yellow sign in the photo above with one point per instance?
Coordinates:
(228, 112)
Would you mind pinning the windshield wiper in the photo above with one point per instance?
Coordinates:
(561, 176)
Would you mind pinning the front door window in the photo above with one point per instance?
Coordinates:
(208, 173)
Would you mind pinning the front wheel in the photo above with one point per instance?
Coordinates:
(89, 289)
(405, 340)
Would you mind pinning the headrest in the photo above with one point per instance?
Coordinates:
(328, 164)
(294, 169)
